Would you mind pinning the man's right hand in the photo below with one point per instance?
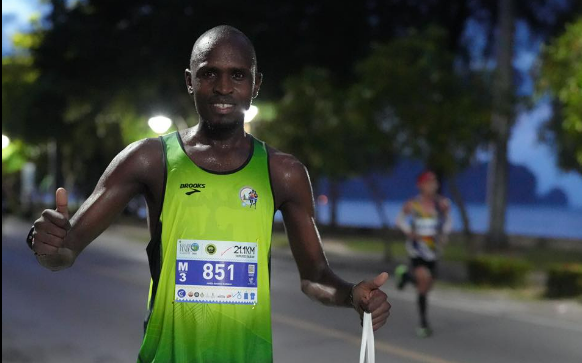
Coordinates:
(52, 227)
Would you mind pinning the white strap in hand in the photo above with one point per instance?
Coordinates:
(367, 348)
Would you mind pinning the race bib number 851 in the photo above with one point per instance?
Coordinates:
(220, 272)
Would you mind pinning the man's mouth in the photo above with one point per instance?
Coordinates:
(222, 108)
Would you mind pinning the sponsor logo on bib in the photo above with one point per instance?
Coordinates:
(210, 249)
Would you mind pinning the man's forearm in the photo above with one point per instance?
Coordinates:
(447, 224)
(329, 289)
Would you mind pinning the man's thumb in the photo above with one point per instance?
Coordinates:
(62, 202)
(381, 279)
(376, 283)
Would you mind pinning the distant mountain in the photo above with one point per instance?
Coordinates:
(555, 196)
(400, 184)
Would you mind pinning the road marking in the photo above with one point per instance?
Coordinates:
(355, 340)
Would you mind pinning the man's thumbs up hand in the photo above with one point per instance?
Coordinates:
(369, 298)
(52, 227)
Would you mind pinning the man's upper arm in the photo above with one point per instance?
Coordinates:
(131, 172)
(294, 197)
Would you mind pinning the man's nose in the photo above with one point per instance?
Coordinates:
(223, 85)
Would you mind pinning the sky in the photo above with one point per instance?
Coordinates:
(524, 146)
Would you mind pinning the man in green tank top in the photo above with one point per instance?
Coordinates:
(211, 192)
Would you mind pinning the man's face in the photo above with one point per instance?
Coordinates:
(223, 82)
(429, 187)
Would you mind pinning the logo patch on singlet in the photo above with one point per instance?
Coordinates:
(194, 187)
(248, 196)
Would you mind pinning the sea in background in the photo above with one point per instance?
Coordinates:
(527, 220)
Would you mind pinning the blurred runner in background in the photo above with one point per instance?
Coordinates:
(426, 222)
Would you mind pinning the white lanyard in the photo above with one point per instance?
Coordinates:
(367, 348)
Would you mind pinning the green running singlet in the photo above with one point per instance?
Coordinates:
(209, 298)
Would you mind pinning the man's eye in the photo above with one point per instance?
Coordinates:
(208, 74)
(238, 75)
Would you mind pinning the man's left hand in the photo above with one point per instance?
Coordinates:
(369, 298)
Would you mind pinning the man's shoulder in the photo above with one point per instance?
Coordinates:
(409, 205)
(139, 163)
(288, 174)
(289, 179)
(144, 149)
(282, 161)
(140, 155)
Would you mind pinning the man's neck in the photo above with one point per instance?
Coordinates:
(428, 197)
(221, 137)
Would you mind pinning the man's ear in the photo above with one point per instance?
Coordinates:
(188, 76)
(258, 82)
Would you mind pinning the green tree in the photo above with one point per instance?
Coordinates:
(47, 103)
(324, 126)
(310, 125)
(561, 75)
(425, 108)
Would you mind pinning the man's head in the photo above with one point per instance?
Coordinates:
(223, 77)
(427, 183)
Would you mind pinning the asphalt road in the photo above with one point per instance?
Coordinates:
(94, 311)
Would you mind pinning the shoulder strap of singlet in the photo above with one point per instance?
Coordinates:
(417, 207)
(153, 248)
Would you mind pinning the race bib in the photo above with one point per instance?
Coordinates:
(426, 226)
(216, 272)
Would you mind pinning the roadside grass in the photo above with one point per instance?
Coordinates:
(358, 244)
(454, 251)
(540, 257)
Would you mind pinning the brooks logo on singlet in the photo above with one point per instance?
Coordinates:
(193, 187)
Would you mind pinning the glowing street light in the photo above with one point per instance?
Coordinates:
(5, 141)
(160, 124)
(251, 113)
